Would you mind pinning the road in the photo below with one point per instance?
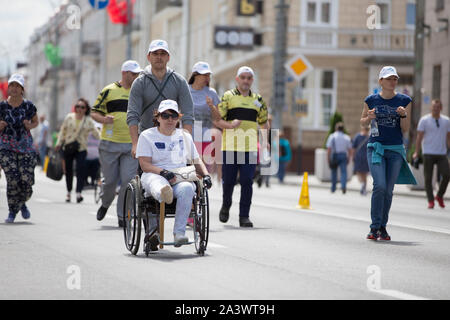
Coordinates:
(62, 252)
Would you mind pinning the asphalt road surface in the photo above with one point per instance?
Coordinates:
(63, 252)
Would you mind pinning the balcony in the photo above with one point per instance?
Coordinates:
(357, 39)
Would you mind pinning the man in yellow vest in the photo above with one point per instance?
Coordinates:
(240, 145)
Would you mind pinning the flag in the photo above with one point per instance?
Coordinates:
(4, 90)
(118, 11)
(53, 54)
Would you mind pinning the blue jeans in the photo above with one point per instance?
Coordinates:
(246, 168)
(281, 171)
(384, 175)
(342, 165)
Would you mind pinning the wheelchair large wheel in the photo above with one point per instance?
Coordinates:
(133, 215)
(201, 223)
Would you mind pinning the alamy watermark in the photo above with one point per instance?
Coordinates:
(73, 21)
(73, 282)
(373, 22)
(253, 148)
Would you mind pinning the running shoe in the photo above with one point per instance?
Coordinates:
(373, 235)
(11, 217)
(440, 201)
(25, 212)
(384, 235)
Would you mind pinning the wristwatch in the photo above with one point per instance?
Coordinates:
(403, 117)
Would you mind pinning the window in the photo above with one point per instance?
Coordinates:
(318, 12)
(410, 14)
(311, 12)
(440, 5)
(162, 4)
(327, 96)
(318, 90)
(385, 13)
(437, 74)
(326, 13)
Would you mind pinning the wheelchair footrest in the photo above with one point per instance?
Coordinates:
(173, 243)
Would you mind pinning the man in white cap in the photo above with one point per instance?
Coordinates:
(157, 83)
(249, 107)
(117, 163)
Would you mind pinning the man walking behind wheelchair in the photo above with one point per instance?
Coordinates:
(116, 161)
(161, 150)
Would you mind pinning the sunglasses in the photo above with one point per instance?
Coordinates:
(437, 123)
(81, 107)
(166, 116)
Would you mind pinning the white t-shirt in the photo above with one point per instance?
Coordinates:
(435, 138)
(167, 152)
(342, 142)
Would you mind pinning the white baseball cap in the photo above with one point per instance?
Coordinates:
(17, 77)
(388, 71)
(245, 70)
(168, 105)
(156, 45)
(131, 66)
(201, 68)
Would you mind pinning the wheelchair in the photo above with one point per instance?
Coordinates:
(139, 209)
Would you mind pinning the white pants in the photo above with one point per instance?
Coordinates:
(184, 193)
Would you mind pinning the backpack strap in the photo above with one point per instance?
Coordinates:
(160, 91)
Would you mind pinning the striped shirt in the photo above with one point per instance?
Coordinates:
(252, 110)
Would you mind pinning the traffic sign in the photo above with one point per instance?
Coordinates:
(299, 67)
(99, 4)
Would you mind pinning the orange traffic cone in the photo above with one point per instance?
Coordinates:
(46, 164)
(304, 202)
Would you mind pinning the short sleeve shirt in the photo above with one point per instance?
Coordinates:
(252, 110)
(435, 134)
(113, 100)
(339, 142)
(15, 137)
(202, 114)
(167, 152)
(388, 119)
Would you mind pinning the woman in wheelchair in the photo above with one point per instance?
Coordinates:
(161, 150)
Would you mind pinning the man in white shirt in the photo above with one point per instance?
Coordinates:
(339, 147)
(433, 133)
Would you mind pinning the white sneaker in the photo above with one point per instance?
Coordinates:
(167, 194)
(180, 240)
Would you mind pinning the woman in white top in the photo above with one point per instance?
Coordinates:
(164, 148)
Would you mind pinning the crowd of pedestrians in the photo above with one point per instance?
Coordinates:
(152, 121)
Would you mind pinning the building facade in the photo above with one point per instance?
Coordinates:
(347, 42)
(436, 64)
(346, 53)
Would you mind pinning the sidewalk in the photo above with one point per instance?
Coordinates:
(352, 185)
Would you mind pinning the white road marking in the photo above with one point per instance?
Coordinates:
(42, 200)
(398, 294)
(345, 216)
